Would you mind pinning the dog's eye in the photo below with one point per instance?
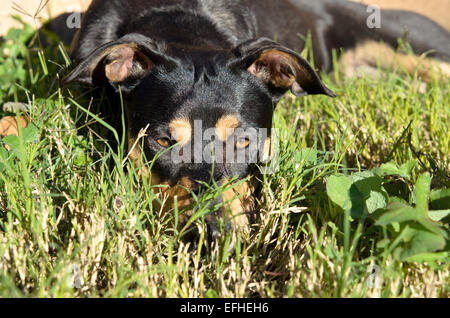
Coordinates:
(164, 142)
(242, 143)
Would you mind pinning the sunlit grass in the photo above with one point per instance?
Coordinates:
(63, 233)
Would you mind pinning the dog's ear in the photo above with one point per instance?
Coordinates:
(122, 62)
(280, 68)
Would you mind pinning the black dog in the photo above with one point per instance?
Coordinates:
(187, 66)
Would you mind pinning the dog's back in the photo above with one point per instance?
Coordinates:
(340, 24)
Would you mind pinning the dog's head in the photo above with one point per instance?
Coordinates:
(208, 112)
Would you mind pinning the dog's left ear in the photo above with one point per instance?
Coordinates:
(280, 68)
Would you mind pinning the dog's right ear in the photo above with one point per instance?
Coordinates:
(123, 62)
(279, 68)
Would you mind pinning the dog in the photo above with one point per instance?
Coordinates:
(189, 66)
(215, 62)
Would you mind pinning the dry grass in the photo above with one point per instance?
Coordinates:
(64, 233)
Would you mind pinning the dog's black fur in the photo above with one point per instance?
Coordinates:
(208, 59)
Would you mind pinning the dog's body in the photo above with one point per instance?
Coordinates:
(334, 24)
(178, 62)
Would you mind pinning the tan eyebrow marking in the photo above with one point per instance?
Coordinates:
(225, 126)
(181, 130)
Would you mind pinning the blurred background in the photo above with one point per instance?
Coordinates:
(438, 10)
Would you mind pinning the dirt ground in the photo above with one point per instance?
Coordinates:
(52, 9)
(438, 10)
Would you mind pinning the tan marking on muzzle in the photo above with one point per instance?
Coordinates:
(167, 193)
(178, 194)
(239, 202)
(225, 126)
(267, 154)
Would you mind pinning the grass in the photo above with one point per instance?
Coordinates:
(65, 233)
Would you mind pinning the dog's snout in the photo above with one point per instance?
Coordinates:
(196, 180)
